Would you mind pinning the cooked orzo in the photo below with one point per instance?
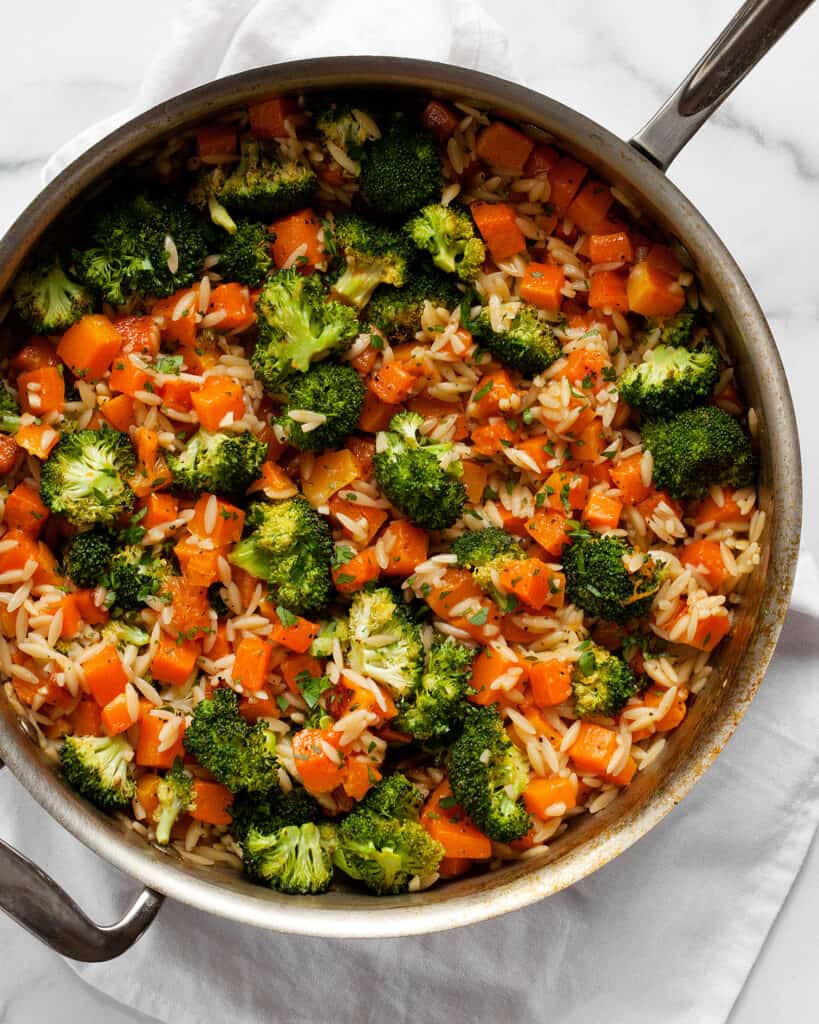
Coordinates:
(376, 489)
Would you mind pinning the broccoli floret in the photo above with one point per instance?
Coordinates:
(401, 171)
(86, 558)
(382, 844)
(449, 235)
(677, 329)
(527, 344)
(372, 254)
(601, 682)
(598, 581)
(398, 664)
(258, 187)
(176, 795)
(245, 255)
(336, 121)
(9, 411)
(295, 859)
(696, 449)
(329, 632)
(123, 634)
(298, 324)
(134, 575)
(420, 477)
(219, 463)
(488, 773)
(397, 311)
(331, 389)
(670, 379)
(46, 298)
(99, 767)
(485, 553)
(135, 239)
(431, 711)
(393, 797)
(267, 812)
(241, 756)
(290, 547)
(85, 476)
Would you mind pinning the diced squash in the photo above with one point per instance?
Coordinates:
(653, 293)
(498, 227)
(542, 286)
(89, 346)
(41, 391)
(331, 471)
(299, 232)
(227, 520)
(25, 510)
(503, 147)
(449, 824)
(550, 682)
(219, 403)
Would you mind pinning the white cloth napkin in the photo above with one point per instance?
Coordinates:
(214, 38)
(668, 931)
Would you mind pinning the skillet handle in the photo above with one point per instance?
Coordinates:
(35, 901)
(753, 30)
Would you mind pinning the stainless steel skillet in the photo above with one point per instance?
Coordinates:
(37, 903)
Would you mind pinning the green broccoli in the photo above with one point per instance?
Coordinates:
(449, 235)
(85, 478)
(141, 243)
(134, 575)
(290, 547)
(670, 379)
(245, 255)
(431, 711)
(176, 795)
(401, 171)
(527, 345)
(397, 660)
(485, 552)
(271, 810)
(420, 477)
(372, 255)
(46, 298)
(381, 842)
(394, 797)
(488, 774)
(331, 389)
(696, 449)
(598, 581)
(86, 558)
(123, 634)
(601, 682)
(677, 329)
(241, 756)
(296, 859)
(329, 632)
(336, 121)
(258, 187)
(397, 311)
(219, 463)
(99, 767)
(298, 324)
(9, 411)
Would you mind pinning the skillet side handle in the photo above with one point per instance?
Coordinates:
(35, 901)
(753, 30)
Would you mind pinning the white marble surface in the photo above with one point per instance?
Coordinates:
(754, 173)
